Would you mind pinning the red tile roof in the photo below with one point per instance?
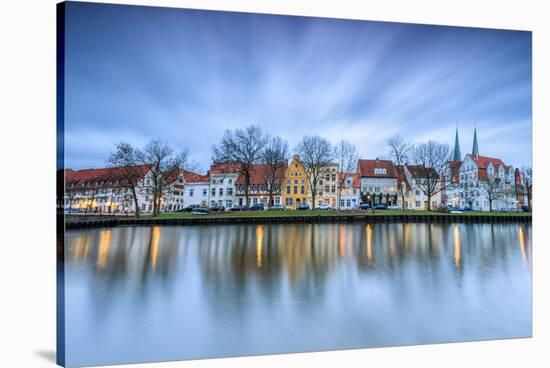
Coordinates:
(400, 170)
(224, 167)
(257, 175)
(367, 167)
(419, 171)
(482, 162)
(191, 177)
(97, 177)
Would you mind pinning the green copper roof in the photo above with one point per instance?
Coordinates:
(456, 154)
(475, 149)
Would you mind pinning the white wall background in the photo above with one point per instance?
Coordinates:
(27, 182)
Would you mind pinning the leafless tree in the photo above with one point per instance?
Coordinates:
(164, 165)
(275, 157)
(347, 156)
(399, 152)
(126, 159)
(315, 152)
(526, 174)
(432, 157)
(493, 188)
(242, 146)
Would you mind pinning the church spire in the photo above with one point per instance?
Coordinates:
(456, 153)
(475, 148)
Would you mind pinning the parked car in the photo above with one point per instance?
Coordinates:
(465, 208)
(189, 208)
(200, 211)
(380, 206)
(217, 208)
(302, 207)
(237, 208)
(257, 207)
(324, 207)
(525, 209)
(364, 206)
(394, 207)
(277, 207)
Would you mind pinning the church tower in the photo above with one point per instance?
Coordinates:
(475, 148)
(456, 151)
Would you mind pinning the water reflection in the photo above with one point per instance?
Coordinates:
(160, 293)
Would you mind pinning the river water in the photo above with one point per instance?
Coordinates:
(153, 293)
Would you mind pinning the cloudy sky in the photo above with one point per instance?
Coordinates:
(137, 73)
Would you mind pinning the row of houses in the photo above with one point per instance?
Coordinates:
(375, 182)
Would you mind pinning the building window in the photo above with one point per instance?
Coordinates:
(230, 191)
(288, 202)
(287, 190)
(417, 204)
(302, 189)
(204, 192)
(333, 189)
(333, 177)
(295, 189)
(190, 192)
(221, 191)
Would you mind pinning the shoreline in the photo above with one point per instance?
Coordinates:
(302, 219)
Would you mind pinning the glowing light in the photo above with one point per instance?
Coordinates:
(342, 240)
(522, 245)
(259, 243)
(457, 253)
(104, 245)
(369, 242)
(155, 245)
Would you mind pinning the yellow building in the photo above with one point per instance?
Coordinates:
(295, 185)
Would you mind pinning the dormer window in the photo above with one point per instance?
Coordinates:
(380, 171)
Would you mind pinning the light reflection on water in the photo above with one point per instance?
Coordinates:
(137, 294)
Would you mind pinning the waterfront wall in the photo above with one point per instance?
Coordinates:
(397, 218)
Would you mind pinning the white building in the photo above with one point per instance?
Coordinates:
(327, 186)
(196, 190)
(479, 182)
(223, 177)
(350, 191)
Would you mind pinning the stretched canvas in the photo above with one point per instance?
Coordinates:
(236, 184)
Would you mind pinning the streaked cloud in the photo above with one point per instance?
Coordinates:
(135, 73)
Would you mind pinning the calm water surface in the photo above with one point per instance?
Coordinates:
(136, 294)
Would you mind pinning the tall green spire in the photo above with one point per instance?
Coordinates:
(475, 149)
(456, 154)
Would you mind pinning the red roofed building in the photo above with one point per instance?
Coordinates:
(261, 185)
(350, 191)
(222, 190)
(481, 183)
(378, 181)
(196, 190)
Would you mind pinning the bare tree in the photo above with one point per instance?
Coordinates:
(432, 157)
(526, 174)
(347, 156)
(242, 146)
(399, 152)
(493, 187)
(163, 163)
(315, 152)
(126, 159)
(274, 157)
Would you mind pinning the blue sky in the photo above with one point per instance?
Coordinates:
(136, 73)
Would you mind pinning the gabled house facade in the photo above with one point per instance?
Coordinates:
(378, 181)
